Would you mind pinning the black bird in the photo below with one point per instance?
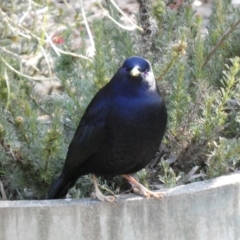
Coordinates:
(119, 132)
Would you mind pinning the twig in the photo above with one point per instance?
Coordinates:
(106, 189)
(58, 50)
(68, 6)
(27, 12)
(220, 41)
(47, 61)
(28, 34)
(8, 149)
(150, 29)
(7, 20)
(10, 52)
(4, 196)
(125, 16)
(87, 27)
(22, 74)
(168, 67)
(106, 13)
(8, 87)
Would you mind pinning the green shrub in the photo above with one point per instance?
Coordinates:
(200, 84)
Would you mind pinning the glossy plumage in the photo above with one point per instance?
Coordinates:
(120, 130)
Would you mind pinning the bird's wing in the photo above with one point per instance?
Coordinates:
(91, 132)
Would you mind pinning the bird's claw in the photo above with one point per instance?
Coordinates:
(110, 199)
(104, 198)
(147, 193)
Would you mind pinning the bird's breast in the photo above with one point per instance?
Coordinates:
(136, 128)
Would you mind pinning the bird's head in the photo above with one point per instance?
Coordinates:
(136, 73)
(136, 67)
(135, 76)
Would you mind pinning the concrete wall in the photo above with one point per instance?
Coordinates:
(197, 211)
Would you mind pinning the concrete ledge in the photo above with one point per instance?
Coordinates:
(198, 211)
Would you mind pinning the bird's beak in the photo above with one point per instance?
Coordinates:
(135, 72)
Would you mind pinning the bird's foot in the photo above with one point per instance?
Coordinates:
(100, 196)
(141, 190)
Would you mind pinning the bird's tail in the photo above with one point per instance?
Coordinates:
(60, 186)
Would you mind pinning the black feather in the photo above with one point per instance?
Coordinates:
(120, 130)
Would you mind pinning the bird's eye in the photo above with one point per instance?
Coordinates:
(146, 71)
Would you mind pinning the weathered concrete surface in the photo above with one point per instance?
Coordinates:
(198, 211)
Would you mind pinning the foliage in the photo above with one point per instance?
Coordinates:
(201, 88)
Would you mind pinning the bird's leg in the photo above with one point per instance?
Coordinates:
(99, 194)
(140, 189)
